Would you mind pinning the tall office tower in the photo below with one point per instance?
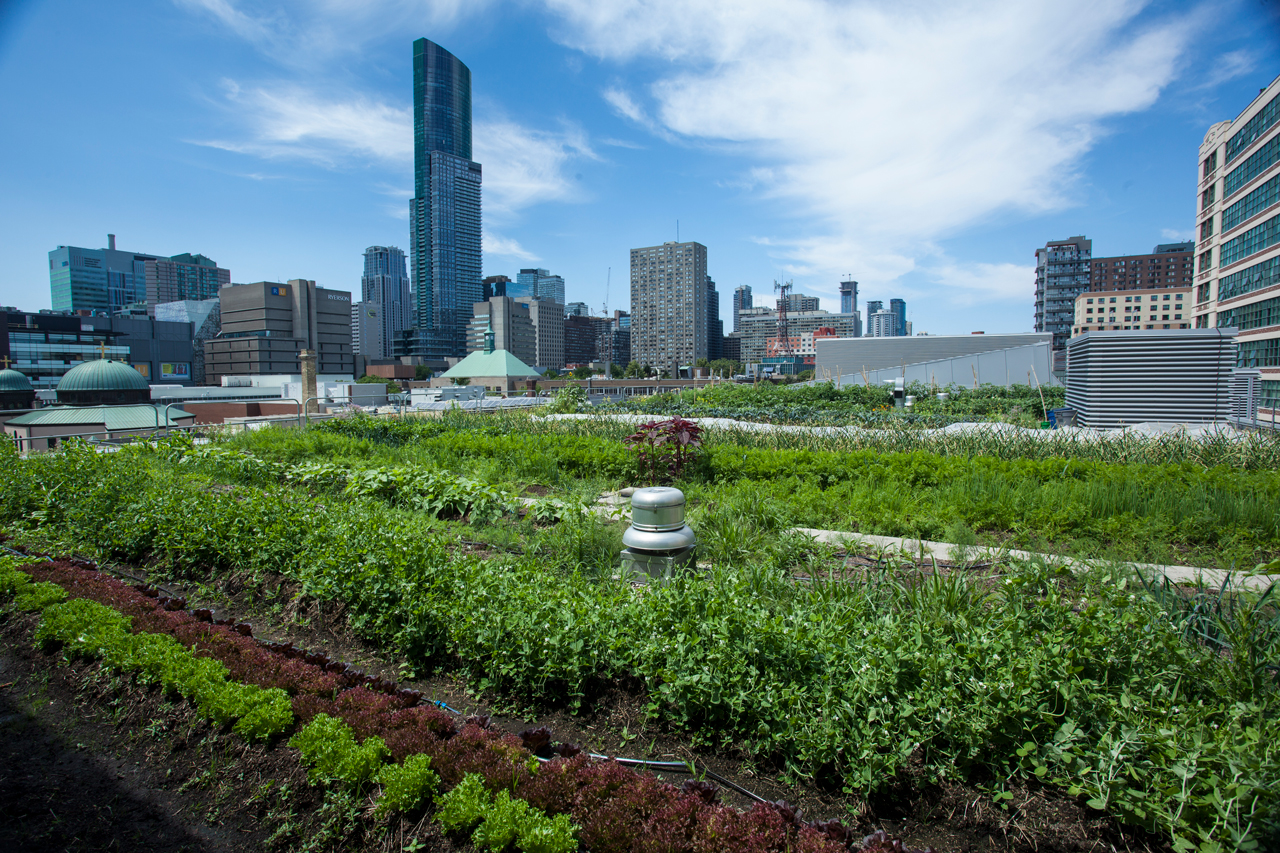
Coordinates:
(741, 301)
(848, 297)
(205, 317)
(539, 283)
(1238, 234)
(874, 306)
(669, 305)
(495, 285)
(444, 214)
(548, 331)
(577, 309)
(899, 309)
(107, 280)
(182, 278)
(882, 324)
(385, 283)
(715, 326)
(1062, 274)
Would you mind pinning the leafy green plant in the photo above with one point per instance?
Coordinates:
(568, 400)
(406, 786)
(466, 805)
(331, 752)
(665, 449)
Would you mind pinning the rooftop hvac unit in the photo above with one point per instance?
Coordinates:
(1243, 390)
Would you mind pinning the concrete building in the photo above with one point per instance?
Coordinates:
(741, 301)
(511, 325)
(848, 357)
(577, 309)
(367, 330)
(1120, 378)
(797, 302)
(899, 309)
(1132, 310)
(1062, 274)
(1237, 278)
(385, 285)
(444, 214)
(205, 317)
(759, 325)
(547, 317)
(266, 324)
(669, 305)
(109, 280)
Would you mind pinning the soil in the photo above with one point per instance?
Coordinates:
(93, 762)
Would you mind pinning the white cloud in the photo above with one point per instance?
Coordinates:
(522, 166)
(1180, 235)
(496, 244)
(309, 33)
(888, 126)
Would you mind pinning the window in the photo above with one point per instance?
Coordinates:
(1206, 229)
(1210, 164)
(1206, 260)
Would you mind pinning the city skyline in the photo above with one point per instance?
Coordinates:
(289, 168)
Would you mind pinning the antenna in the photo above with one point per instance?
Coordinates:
(608, 276)
(784, 335)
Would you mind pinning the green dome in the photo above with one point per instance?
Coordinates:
(103, 374)
(12, 380)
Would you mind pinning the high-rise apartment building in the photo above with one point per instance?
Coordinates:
(577, 309)
(759, 326)
(183, 278)
(848, 297)
(266, 324)
(109, 280)
(1237, 275)
(874, 306)
(444, 214)
(583, 337)
(669, 305)
(800, 302)
(883, 324)
(741, 301)
(385, 283)
(1062, 274)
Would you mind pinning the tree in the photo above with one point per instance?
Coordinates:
(666, 374)
(552, 373)
(461, 380)
(421, 372)
(702, 364)
(392, 387)
(633, 370)
(582, 371)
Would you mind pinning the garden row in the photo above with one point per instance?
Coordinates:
(356, 731)
(1170, 513)
(1086, 683)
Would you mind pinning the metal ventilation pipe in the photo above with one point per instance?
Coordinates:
(659, 543)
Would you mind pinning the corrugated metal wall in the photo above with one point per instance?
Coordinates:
(1119, 378)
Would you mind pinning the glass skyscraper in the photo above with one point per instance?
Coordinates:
(444, 214)
(538, 284)
(385, 283)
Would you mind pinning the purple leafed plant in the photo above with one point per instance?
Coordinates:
(664, 449)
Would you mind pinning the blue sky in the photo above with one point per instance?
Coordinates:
(926, 148)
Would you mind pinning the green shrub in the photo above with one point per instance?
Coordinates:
(406, 786)
(331, 753)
